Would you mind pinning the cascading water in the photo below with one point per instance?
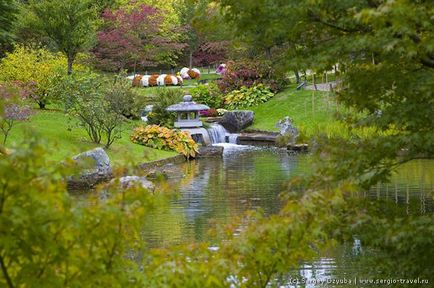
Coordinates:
(232, 138)
(218, 134)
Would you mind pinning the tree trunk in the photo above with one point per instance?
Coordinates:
(191, 59)
(70, 62)
(297, 77)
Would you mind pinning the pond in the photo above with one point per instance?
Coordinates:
(217, 190)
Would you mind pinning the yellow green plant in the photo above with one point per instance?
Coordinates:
(247, 97)
(36, 69)
(155, 136)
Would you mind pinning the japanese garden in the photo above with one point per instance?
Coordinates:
(216, 143)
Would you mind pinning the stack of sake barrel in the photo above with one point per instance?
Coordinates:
(157, 80)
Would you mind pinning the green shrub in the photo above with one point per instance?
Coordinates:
(123, 99)
(208, 94)
(164, 138)
(47, 235)
(247, 97)
(165, 98)
(85, 100)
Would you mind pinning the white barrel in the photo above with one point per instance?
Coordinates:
(160, 80)
(196, 70)
(174, 80)
(184, 73)
(145, 80)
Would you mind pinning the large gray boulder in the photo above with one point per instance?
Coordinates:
(93, 168)
(235, 121)
(129, 181)
(210, 151)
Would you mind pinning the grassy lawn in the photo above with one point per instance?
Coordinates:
(203, 76)
(310, 110)
(67, 140)
(152, 91)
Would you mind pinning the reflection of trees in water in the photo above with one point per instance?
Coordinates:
(222, 190)
(412, 187)
(216, 190)
(410, 192)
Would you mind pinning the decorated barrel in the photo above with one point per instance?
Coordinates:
(155, 80)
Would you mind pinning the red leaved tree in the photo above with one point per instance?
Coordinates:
(131, 39)
(209, 53)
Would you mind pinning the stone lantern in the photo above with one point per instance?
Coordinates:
(188, 119)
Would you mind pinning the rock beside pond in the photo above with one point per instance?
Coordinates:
(298, 147)
(168, 171)
(210, 151)
(93, 168)
(129, 181)
(235, 121)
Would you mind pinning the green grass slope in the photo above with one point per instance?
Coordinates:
(66, 140)
(310, 110)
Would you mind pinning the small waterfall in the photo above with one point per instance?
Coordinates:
(218, 134)
(232, 138)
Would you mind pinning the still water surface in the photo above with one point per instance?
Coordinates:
(217, 190)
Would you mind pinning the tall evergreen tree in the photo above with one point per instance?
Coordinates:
(8, 12)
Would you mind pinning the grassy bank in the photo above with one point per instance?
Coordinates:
(311, 110)
(66, 140)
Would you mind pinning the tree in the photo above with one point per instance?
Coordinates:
(35, 70)
(8, 10)
(384, 50)
(386, 58)
(133, 37)
(127, 39)
(69, 24)
(209, 53)
(207, 39)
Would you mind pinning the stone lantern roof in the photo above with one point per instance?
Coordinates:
(187, 106)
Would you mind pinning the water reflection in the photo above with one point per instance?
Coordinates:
(411, 186)
(215, 191)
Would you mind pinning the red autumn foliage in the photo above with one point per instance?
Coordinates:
(248, 73)
(131, 39)
(209, 53)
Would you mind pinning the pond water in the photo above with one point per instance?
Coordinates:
(217, 190)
